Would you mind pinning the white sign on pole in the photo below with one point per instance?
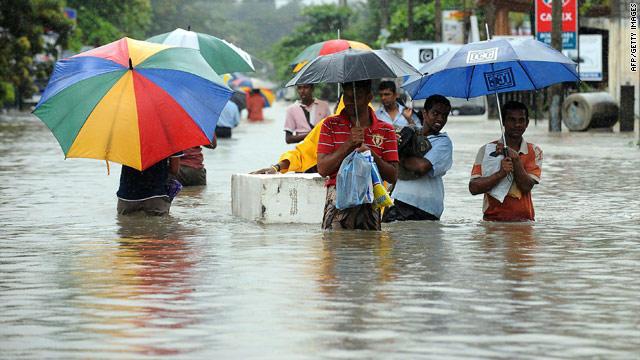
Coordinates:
(453, 27)
(590, 60)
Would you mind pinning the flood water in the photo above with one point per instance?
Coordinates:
(76, 281)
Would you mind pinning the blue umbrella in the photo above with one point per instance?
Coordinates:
(493, 66)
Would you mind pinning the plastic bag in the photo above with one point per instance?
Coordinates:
(353, 183)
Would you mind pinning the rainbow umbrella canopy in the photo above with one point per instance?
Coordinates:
(324, 48)
(222, 56)
(268, 95)
(246, 84)
(132, 102)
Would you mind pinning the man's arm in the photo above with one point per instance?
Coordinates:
(407, 112)
(283, 165)
(521, 177)
(330, 163)
(294, 139)
(481, 185)
(418, 165)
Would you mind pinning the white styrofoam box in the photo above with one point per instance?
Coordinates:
(277, 199)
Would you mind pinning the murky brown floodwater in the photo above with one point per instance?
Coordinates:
(77, 282)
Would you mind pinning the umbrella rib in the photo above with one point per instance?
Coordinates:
(473, 70)
(527, 73)
(389, 68)
(566, 66)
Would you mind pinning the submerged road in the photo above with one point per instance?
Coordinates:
(78, 282)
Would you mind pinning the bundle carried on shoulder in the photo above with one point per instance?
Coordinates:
(411, 142)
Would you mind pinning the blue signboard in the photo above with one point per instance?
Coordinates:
(568, 39)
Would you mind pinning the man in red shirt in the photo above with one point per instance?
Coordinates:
(192, 171)
(339, 136)
(255, 103)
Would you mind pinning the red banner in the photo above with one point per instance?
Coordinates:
(569, 15)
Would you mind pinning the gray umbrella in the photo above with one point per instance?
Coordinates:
(353, 65)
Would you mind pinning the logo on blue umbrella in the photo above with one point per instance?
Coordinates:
(499, 80)
(482, 56)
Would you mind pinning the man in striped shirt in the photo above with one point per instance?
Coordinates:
(339, 136)
(522, 168)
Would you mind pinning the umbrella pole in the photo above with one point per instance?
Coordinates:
(355, 104)
(504, 140)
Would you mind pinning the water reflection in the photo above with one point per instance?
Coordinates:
(140, 287)
(515, 242)
(78, 282)
(355, 262)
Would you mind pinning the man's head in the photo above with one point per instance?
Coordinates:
(387, 92)
(362, 98)
(305, 92)
(515, 118)
(435, 113)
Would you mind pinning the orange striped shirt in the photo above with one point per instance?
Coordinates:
(512, 208)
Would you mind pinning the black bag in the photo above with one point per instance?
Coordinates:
(411, 143)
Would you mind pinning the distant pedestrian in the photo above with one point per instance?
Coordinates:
(304, 114)
(516, 173)
(149, 191)
(192, 171)
(391, 111)
(255, 104)
(229, 118)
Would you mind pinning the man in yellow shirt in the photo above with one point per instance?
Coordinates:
(304, 157)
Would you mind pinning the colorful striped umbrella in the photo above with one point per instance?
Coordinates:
(132, 102)
(222, 56)
(251, 82)
(267, 94)
(325, 48)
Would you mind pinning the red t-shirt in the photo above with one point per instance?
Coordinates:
(380, 137)
(255, 103)
(192, 158)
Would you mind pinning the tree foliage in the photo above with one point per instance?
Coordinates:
(103, 21)
(23, 24)
(320, 23)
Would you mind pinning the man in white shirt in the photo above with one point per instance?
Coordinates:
(393, 112)
(304, 114)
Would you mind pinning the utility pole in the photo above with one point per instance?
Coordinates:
(409, 19)
(555, 124)
(438, 22)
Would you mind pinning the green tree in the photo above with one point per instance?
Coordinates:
(423, 19)
(23, 25)
(103, 21)
(320, 24)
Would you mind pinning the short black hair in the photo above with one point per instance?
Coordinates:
(387, 85)
(514, 105)
(436, 99)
